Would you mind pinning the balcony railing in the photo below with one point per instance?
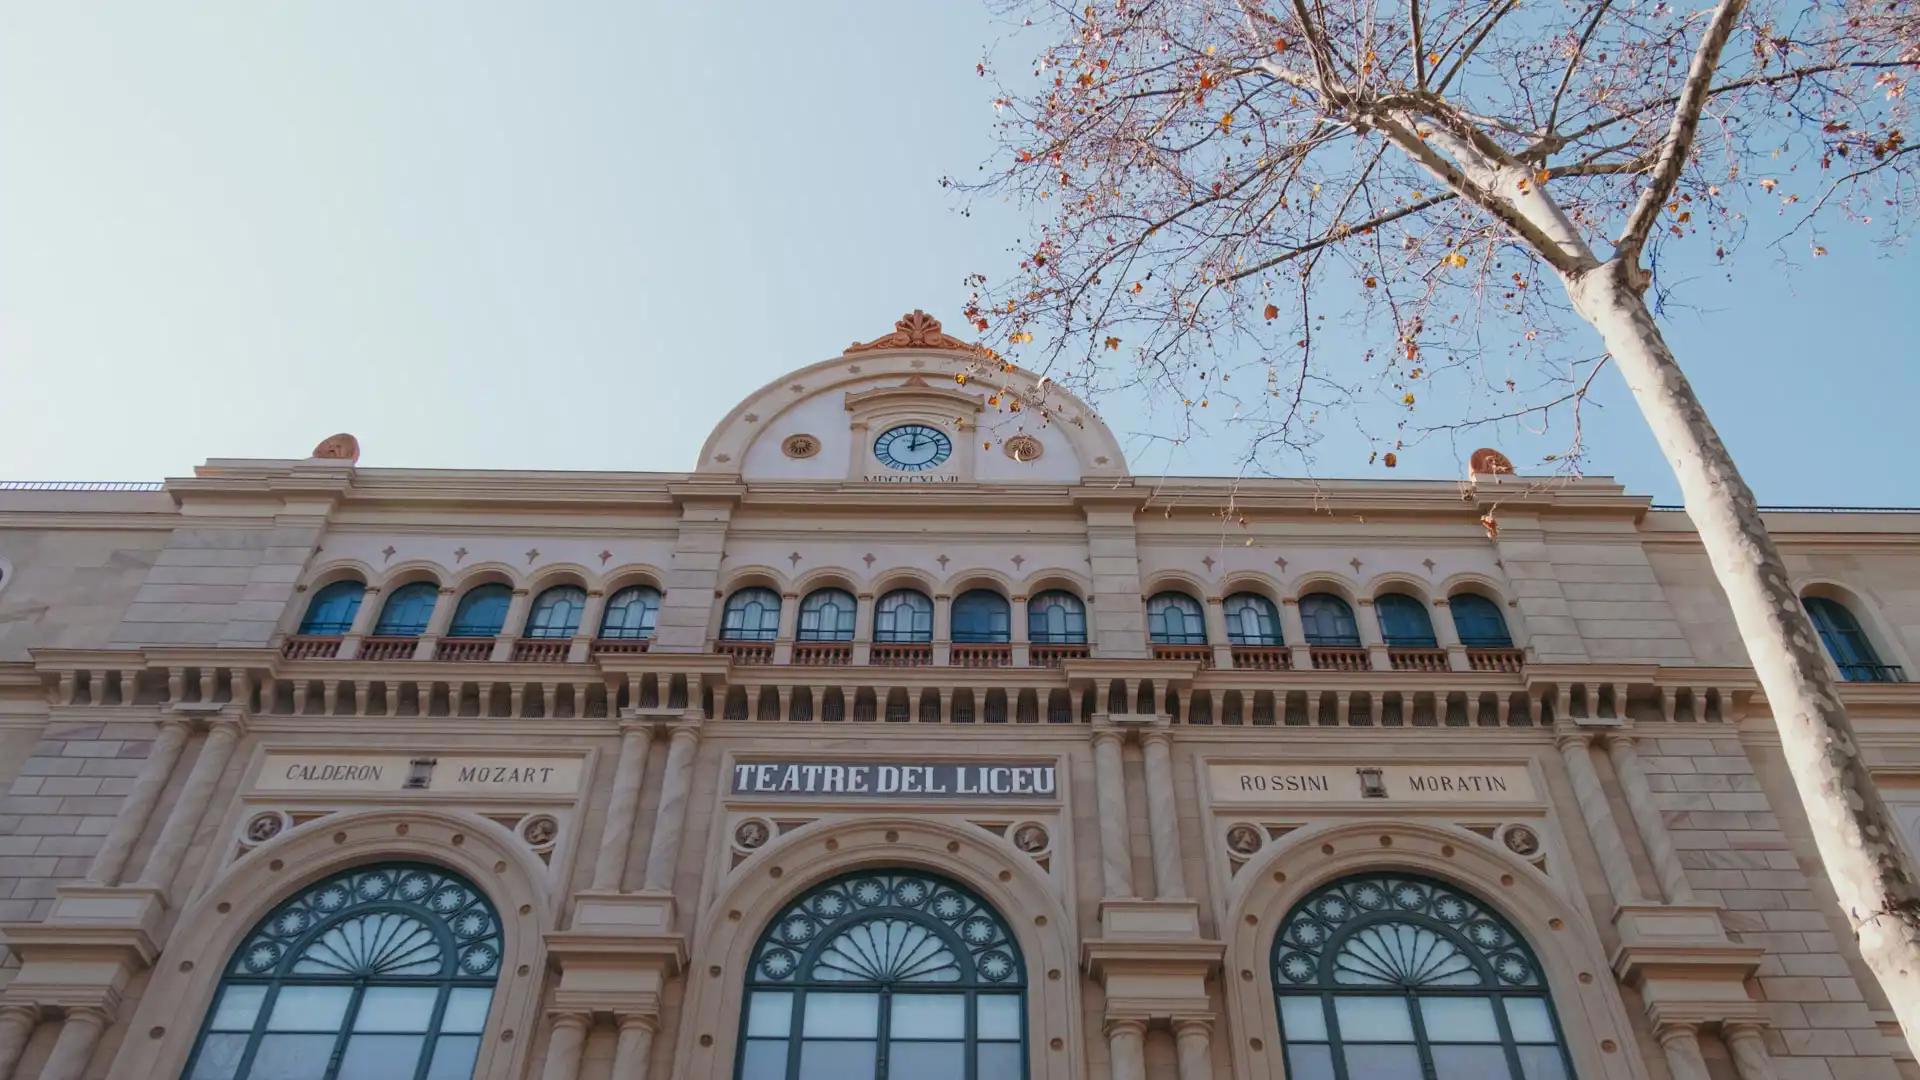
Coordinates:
(463, 650)
(1422, 659)
(312, 647)
(823, 653)
(1339, 658)
(388, 648)
(746, 652)
(1054, 655)
(981, 656)
(621, 646)
(1873, 673)
(542, 650)
(1200, 654)
(1262, 658)
(903, 654)
(1511, 660)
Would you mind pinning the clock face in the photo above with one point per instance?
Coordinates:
(913, 447)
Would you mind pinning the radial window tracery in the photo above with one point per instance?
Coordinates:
(885, 974)
(381, 971)
(1398, 977)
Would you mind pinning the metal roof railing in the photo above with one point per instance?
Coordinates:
(81, 485)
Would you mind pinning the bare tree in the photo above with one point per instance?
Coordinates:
(1212, 181)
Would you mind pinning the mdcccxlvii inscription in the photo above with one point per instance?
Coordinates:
(885, 780)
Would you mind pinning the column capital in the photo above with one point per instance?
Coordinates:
(1189, 1026)
(1680, 1031)
(570, 1018)
(1125, 1025)
(1742, 1029)
(637, 725)
(1566, 736)
(1104, 734)
(1159, 734)
(227, 726)
(97, 1015)
(637, 1021)
(20, 1010)
(684, 730)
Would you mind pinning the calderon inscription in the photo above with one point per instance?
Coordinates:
(883, 780)
(1431, 783)
(349, 771)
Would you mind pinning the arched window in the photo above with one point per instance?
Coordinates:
(482, 612)
(631, 613)
(827, 615)
(903, 615)
(330, 613)
(556, 612)
(1396, 977)
(1404, 621)
(1056, 617)
(1328, 620)
(1251, 620)
(982, 615)
(408, 610)
(751, 615)
(885, 974)
(381, 971)
(1479, 623)
(1846, 642)
(1176, 619)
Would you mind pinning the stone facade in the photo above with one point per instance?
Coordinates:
(180, 757)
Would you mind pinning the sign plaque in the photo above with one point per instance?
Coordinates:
(999, 780)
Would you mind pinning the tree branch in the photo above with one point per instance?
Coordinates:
(1573, 62)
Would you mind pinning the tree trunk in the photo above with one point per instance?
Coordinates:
(1854, 832)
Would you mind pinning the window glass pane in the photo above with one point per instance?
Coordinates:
(1470, 1063)
(219, 1057)
(238, 1007)
(843, 1016)
(929, 1016)
(453, 1057)
(1543, 1063)
(837, 1061)
(1459, 1019)
(928, 1060)
(1529, 1019)
(1309, 1063)
(765, 1059)
(1373, 1019)
(381, 1057)
(999, 1016)
(467, 1010)
(1383, 1062)
(1303, 1019)
(396, 1008)
(770, 1014)
(309, 1008)
(291, 1057)
(1000, 1061)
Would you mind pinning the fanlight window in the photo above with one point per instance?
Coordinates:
(1846, 642)
(1328, 621)
(1398, 977)
(1479, 623)
(885, 974)
(1056, 617)
(827, 615)
(1404, 622)
(1176, 619)
(751, 615)
(408, 610)
(482, 612)
(330, 613)
(1251, 620)
(556, 612)
(631, 613)
(903, 615)
(381, 971)
(982, 616)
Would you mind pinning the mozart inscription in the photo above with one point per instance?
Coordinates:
(350, 772)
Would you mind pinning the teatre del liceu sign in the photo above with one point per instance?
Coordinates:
(888, 780)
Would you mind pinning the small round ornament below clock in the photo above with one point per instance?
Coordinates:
(913, 448)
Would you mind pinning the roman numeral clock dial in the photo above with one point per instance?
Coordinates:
(913, 448)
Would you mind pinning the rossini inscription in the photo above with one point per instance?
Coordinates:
(888, 780)
(1434, 783)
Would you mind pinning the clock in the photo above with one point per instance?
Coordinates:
(912, 447)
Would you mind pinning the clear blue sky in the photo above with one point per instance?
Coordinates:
(573, 235)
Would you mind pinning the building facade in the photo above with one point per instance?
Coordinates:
(909, 735)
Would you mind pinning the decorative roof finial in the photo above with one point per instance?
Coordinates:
(915, 330)
(341, 447)
(1487, 461)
